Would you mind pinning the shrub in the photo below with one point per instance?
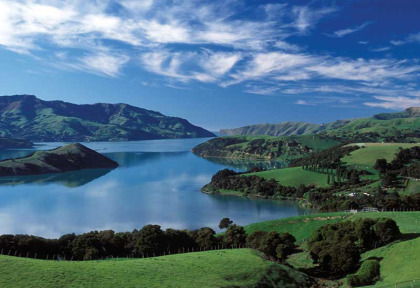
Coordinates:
(367, 274)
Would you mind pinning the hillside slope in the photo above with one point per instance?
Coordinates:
(281, 148)
(27, 117)
(396, 127)
(72, 157)
(224, 268)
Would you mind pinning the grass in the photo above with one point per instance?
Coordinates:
(225, 268)
(412, 187)
(301, 227)
(294, 177)
(401, 261)
(365, 158)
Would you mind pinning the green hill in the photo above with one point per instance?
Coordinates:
(27, 117)
(294, 177)
(224, 268)
(389, 127)
(265, 147)
(71, 157)
(399, 260)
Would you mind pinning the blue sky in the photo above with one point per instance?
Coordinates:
(220, 64)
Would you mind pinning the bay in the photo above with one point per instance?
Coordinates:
(158, 182)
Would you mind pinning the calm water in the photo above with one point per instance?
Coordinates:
(158, 182)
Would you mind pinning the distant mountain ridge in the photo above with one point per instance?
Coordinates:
(28, 117)
(384, 126)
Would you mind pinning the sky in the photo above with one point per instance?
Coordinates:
(217, 63)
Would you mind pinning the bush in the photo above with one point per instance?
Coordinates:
(367, 274)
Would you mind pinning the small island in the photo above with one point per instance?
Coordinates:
(71, 157)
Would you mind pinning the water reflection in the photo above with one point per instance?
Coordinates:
(244, 165)
(150, 186)
(69, 179)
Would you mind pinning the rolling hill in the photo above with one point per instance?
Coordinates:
(389, 127)
(224, 268)
(72, 157)
(27, 117)
(265, 147)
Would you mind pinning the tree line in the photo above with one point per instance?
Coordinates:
(149, 241)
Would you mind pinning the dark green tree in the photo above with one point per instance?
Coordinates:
(235, 235)
(225, 222)
(150, 240)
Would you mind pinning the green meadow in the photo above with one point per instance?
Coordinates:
(365, 158)
(224, 268)
(294, 177)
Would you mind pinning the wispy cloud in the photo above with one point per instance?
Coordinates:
(218, 42)
(304, 102)
(412, 38)
(307, 17)
(396, 103)
(347, 31)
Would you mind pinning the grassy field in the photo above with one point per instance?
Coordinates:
(412, 187)
(225, 268)
(401, 260)
(302, 227)
(294, 177)
(365, 158)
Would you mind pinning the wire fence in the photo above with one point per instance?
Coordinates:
(405, 284)
(58, 257)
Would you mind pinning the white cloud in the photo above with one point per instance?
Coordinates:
(365, 70)
(381, 49)
(396, 103)
(104, 63)
(219, 64)
(344, 32)
(303, 102)
(265, 64)
(307, 17)
(412, 38)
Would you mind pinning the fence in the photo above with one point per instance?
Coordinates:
(58, 257)
(405, 284)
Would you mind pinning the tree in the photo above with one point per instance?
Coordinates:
(205, 237)
(225, 223)
(354, 177)
(253, 241)
(269, 243)
(235, 235)
(389, 178)
(381, 165)
(150, 240)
